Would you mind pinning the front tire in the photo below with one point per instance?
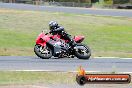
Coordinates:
(43, 52)
(84, 53)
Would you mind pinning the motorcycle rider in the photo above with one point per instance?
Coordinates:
(56, 29)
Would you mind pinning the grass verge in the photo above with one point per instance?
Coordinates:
(25, 78)
(8, 77)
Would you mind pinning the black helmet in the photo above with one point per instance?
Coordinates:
(52, 25)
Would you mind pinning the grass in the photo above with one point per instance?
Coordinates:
(9, 77)
(25, 78)
(106, 36)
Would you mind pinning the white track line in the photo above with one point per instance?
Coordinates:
(66, 71)
(110, 57)
(106, 57)
(125, 58)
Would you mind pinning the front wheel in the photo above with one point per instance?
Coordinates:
(43, 52)
(82, 51)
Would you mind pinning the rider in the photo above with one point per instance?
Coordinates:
(56, 29)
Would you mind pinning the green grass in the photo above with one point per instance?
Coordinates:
(25, 78)
(106, 36)
(9, 77)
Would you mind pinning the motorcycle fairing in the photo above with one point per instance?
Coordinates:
(78, 39)
(42, 39)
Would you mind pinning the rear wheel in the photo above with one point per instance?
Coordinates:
(43, 52)
(82, 51)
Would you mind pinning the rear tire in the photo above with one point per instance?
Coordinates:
(39, 51)
(80, 55)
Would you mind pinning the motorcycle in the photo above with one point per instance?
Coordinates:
(48, 45)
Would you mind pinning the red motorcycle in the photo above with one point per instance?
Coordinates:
(48, 45)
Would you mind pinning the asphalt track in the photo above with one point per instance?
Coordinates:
(28, 63)
(106, 12)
